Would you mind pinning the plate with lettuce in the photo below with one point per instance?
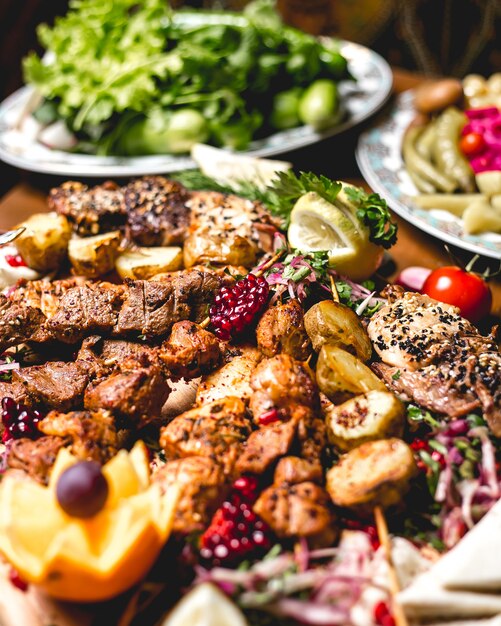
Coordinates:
(127, 87)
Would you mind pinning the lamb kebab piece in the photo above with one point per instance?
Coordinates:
(138, 307)
(436, 358)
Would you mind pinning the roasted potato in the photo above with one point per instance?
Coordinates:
(144, 263)
(94, 256)
(372, 415)
(43, 245)
(340, 375)
(375, 473)
(337, 324)
(219, 249)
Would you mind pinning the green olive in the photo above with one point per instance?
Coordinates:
(319, 104)
(285, 111)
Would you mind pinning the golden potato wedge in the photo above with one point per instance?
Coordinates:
(94, 256)
(334, 323)
(340, 375)
(375, 473)
(224, 249)
(370, 416)
(43, 245)
(144, 263)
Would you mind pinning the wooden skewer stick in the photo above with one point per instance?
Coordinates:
(335, 294)
(260, 272)
(384, 539)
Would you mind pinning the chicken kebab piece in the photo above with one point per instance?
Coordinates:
(434, 357)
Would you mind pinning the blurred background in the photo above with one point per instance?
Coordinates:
(432, 37)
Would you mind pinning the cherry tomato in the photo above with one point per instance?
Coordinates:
(472, 143)
(464, 289)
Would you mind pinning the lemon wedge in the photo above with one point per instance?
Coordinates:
(317, 224)
(205, 605)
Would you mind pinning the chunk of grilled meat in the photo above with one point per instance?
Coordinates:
(203, 488)
(293, 470)
(43, 294)
(216, 430)
(91, 434)
(104, 356)
(16, 391)
(433, 356)
(280, 383)
(92, 308)
(232, 378)
(19, 323)
(35, 457)
(298, 510)
(190, 350)
(311, 435)
(134, 394)
(137, 307)
(265, 446)
(157, 214)
(281, 329)
(54, 385)
(226, 229)
(90, 210)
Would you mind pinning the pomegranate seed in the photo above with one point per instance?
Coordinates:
(19, 420)
(235, 308)
(235, 531)
(269, 417)
(16, 580)
(380, 611)
(15, 260)
(388, 620)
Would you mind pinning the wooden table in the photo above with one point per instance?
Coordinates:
(334, 158)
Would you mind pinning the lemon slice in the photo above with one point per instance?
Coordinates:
(317, 224)
(205, 605)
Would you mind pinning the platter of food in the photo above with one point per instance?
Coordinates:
(245, 82)
(211, 414)
(450, 189)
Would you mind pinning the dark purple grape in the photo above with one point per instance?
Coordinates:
(82, 489)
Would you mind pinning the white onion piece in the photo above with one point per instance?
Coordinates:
(57, 136)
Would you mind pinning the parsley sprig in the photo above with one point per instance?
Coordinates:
(374, 213)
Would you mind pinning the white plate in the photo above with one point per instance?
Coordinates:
(360, 99)
(380, 161)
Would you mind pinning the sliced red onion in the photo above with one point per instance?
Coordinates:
(413, 278)
(5, 367)
(310, 612)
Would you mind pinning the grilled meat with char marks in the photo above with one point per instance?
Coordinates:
(43, 294)
(134, 394)
(226, 229)
(54, 385)
(281, 329)
(92, 435)
(265, 446)
(203, 488)
(90, 210)
(104, 356)
(35, 457)
(232, 378)
(300, 510)
(190, 350)
(157, 214)
(90, 309)
(434, 357)
(18, 323)
(137, 307)
(281, 383)
(216, 430)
